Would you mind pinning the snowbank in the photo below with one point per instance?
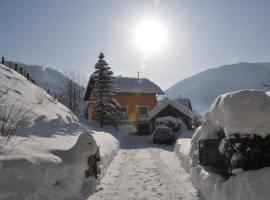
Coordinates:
(49, 158)
(109, 142)
(246, 112)
(33, 169)
(182, 147)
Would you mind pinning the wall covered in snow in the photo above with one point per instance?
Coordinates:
(242, 112)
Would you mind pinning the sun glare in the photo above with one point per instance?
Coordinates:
(150, 36)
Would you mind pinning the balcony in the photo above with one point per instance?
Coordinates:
(123, 118)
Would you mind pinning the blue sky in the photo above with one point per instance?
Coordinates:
(65, 34)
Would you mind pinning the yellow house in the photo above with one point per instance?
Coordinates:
(136, 96)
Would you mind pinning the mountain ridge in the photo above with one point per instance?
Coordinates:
(205, 86)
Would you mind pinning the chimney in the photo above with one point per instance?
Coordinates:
(16, 67)
(3, 60)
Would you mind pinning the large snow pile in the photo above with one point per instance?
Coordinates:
(241, 112)
(182, 147)
(48, 159)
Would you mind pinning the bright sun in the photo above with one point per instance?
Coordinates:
(150, 36)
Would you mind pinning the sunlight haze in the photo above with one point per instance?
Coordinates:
(193, 35)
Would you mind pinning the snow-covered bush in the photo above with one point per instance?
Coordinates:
(245, 152)
(12, 122)
(12, 116)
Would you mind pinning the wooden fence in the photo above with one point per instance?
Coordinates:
(18, 68)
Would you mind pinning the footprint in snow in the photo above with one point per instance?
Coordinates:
(159, 194)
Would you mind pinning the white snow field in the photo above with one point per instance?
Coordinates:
(246, 112)
(142, 170)
(48, 159)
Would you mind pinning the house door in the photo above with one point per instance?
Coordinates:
(143, 129)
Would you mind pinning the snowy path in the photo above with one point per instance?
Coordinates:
(145, 171)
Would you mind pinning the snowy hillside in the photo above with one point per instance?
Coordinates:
(48, 158)
(46, 78)
(204, 87)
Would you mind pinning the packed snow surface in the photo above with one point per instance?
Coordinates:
(142, 170)
(242, 112)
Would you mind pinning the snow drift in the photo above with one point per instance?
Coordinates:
(242, 112)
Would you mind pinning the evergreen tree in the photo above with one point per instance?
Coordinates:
(106, 109)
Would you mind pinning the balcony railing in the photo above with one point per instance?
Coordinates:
(124, 117)
(142, 117)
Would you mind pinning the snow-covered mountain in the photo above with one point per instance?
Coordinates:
(45, 77)
(204, 87)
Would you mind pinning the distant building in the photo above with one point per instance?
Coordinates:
(136, 96)
(185, 101)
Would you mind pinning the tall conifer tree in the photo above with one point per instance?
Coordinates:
(106, 109)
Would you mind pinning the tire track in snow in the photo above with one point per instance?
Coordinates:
(145, 172)
(115, 177)
(176, 179)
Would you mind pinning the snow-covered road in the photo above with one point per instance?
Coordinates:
(145, 171)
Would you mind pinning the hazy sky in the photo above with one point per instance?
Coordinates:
(68, 34)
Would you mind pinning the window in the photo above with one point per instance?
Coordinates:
(124, 110)
(143, 110)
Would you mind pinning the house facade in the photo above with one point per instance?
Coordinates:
(136, 96)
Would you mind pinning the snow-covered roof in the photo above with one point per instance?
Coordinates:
(128, 85)
(136, 85)
(185, 101)
(174, 103)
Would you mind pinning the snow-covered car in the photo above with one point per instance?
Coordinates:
(163, 135)
(174, 123)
